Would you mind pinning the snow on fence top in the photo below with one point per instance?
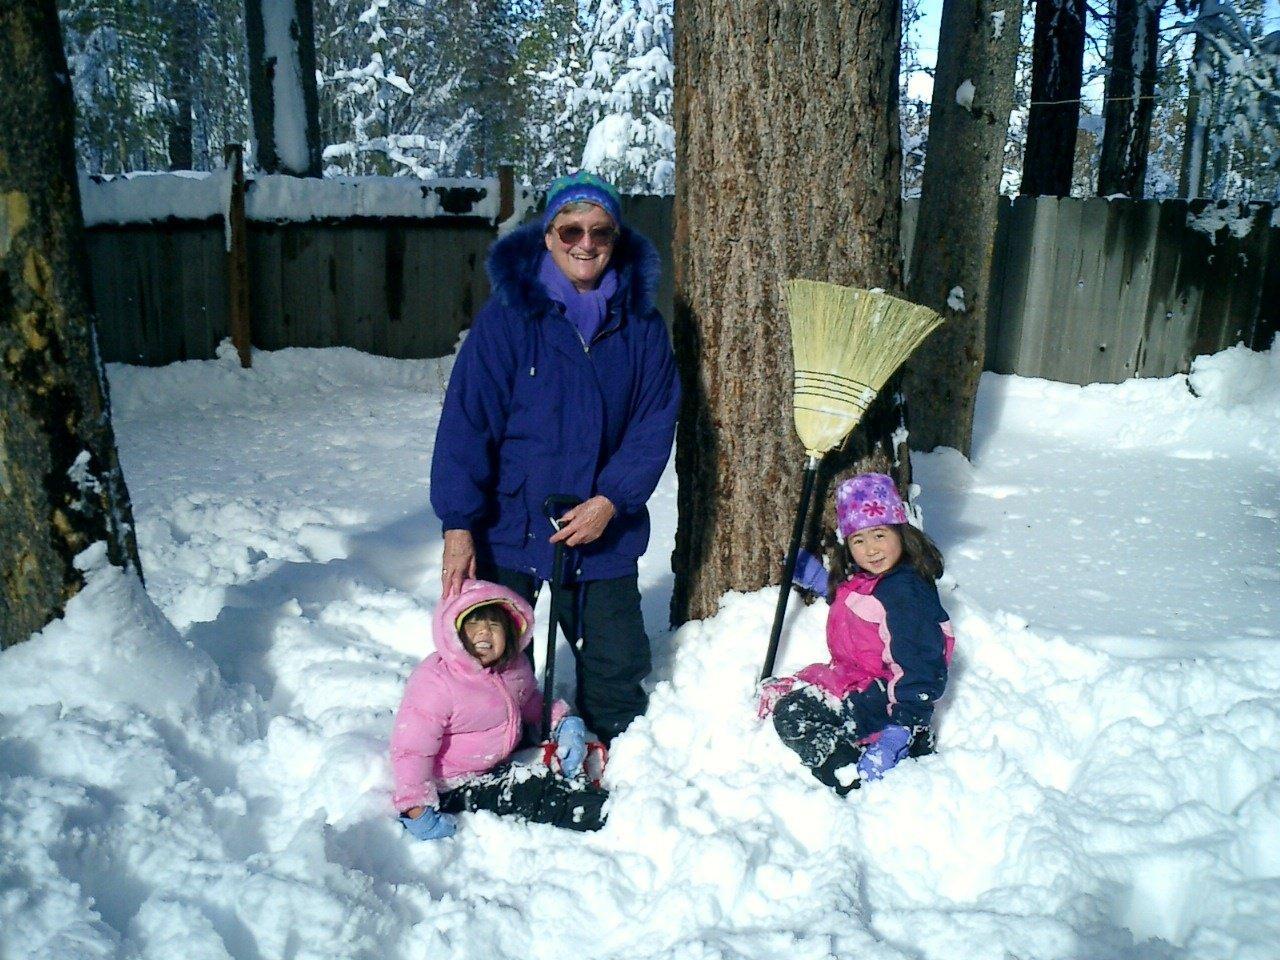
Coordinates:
(144, 198)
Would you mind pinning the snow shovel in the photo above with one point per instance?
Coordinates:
(593, 766)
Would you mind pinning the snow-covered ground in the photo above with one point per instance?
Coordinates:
(212, 783)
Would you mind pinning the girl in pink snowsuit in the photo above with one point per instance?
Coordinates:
(464, 711)
(857, 715)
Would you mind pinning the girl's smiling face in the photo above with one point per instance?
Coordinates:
(484, 634)
(876, 549)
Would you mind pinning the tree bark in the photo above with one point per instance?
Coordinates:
(789, 166)
(282, 86)
(183, 55)
(1130, 98)
(951, 266)
(61, 489)
(1057, 64)
(1196, 143)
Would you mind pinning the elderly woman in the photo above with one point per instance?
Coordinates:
(566, 384)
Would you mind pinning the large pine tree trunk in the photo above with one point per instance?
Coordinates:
(789, 166)
(955, 234)
(1129, 94)
(1057, 62)
(60, 484)
(282, 86)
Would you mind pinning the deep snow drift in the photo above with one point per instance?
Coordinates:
(212, 783)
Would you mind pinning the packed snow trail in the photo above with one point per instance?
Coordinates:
(215, 784)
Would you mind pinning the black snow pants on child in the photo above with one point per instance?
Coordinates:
(614, 656)
(825, 732)
(531, 793)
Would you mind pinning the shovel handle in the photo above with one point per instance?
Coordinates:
(555, 505)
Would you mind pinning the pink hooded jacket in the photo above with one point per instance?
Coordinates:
(457, 717)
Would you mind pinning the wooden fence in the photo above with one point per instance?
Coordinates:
(1088, 291)
(399, 288)
(1082, 290)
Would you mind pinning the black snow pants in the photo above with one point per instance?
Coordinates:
(825, 732)
(614, 656)
(533, 793)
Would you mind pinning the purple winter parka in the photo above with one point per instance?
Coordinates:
(457, 717)
(532, 410)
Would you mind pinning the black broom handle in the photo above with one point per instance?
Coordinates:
(789, 567)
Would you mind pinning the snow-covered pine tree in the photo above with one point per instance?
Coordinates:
(1244, 115)
(626, 92)
(140, 67)
(913, 108)
(389, 100)
(116, 54)
(550, 140)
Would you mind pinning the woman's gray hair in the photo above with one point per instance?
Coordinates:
(575, 206)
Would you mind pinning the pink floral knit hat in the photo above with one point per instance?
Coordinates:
(867, 500)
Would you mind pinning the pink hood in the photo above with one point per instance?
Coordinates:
(473, 594)
(457, 717)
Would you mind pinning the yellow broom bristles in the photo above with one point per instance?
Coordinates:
(846, 343)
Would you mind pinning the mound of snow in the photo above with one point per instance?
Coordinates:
(217, 786)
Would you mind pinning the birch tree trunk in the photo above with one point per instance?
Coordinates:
(1129, 98)
(951, 265)
(789, 166)
(61, 489)
(1057, 64)
(282, 86)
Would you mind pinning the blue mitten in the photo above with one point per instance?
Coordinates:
(431, 824)
(810, 574)
(571, 736)
(884, 754)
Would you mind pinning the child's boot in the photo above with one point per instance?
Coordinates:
(840, 770)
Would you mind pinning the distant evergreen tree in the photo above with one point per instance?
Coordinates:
(389, 98)
(549, 142)
(158, 83)
(626, 91)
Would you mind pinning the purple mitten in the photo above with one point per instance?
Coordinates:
(810, 574)
(884, 754)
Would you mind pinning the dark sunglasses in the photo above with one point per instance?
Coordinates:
(571, 233)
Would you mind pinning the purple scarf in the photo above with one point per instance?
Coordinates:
(585, 310)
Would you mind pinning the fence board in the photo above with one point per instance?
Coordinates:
(265, 301)
(1172, 307)
(1081, 290)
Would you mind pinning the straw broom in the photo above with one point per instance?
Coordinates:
(846, 343)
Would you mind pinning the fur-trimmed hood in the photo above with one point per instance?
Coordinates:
(514, 261)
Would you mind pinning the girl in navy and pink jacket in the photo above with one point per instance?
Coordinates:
(857, 715)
